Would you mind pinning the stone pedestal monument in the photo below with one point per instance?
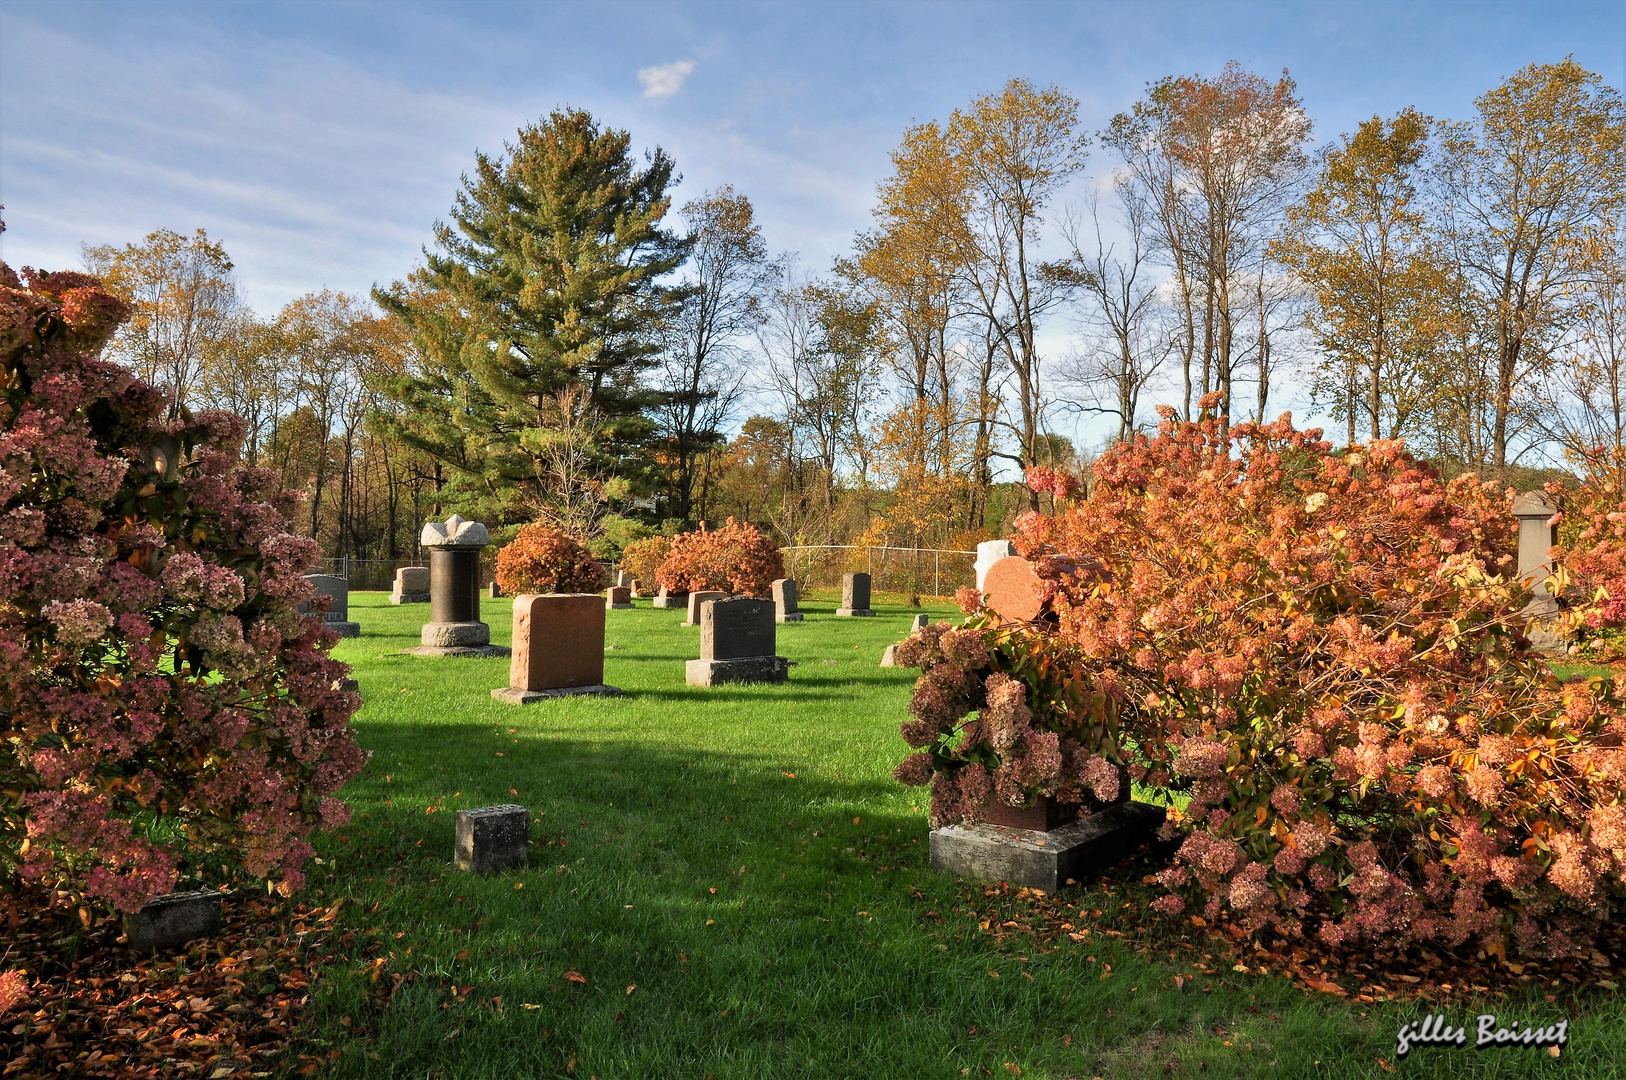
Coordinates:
(411, 585)
(854, 595)
(736, 644)
(785, 608)
(455, 628)
(337, 617)
(558, 648)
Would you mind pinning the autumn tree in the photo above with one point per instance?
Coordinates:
(548, 276)
(1359, 241)
(1217, 161)
(182, 298)
(718, 307)
(1529, 186)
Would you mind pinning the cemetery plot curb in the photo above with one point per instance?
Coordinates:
(1044, 860)
(513, 695)
(748, 669)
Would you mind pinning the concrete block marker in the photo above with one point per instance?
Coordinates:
(454, 627)
(337, 616)
(664, 599)
(617, 598)
(558, 649)
(1043, 859)
(785, 604)
(854, 595)
(165, 923)
(698, 598)
(411, 585)
(492, 838)
(736, 644)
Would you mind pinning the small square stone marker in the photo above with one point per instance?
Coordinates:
(411, 585)
(492, 838)
(558, 649)
(854, 595)
(1045, 859)
(889, 658)
(664, 599)
(167, 922)
(736, 644)
(617, 598)
(919, 622)
(785, 607)
(698, 598)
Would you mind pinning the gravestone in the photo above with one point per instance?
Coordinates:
(623, 579)
(454, 627)
(854, 595)
(889, 658)
(736, 644)
(1045, 858)
(337, 616)
(664, 599)
(1012, 590)
(637, 587)
(696, 599)
(558, 649)
(496, 590)
(1535, 538)
(617, 598)
(165, 923)
(785, 607)
(492, 838)
(411, 585)
(988, 553)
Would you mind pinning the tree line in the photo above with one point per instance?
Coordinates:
(579, 347)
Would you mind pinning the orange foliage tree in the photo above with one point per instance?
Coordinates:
(544, 559)
(736, 559)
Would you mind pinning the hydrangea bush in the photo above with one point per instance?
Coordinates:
(1592, 558)
(544, 559)
(1318, 659)
(165, 701)
(736, 559)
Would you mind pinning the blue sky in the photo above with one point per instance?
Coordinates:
(320, 141)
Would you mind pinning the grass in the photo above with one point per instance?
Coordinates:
(746, 892)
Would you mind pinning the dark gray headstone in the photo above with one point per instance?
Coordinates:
(337, 616)
(492, 838)
(168, 922)
(736, 627)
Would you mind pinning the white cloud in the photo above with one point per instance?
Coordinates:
(664, 80)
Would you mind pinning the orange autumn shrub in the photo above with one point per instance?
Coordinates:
(1591, 556)
(736, 559)
(642, 558)
(543, 559)
(1318, 658)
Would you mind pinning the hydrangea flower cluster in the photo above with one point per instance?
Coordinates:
(736, 559)
(543, 559)
(1319, 658)
(1592, 556)
(163, 698)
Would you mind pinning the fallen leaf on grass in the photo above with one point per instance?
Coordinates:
(631, 988)
(576, 977)
(528, 1005)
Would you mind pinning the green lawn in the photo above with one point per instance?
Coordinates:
(746, 892)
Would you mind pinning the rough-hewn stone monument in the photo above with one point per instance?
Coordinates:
(455, 628)
(785, 606)
(492, 838)
(411, 585)
(697, 598)
(165, 923)
(854, 595)
(337, 616)
(736, 644)
(558, 648)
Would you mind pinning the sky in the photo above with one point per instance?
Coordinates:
(320, 142)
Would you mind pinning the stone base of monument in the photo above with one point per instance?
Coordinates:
(890, 657)
(344, 629)
(854, 611)
(1045, 860)
(513, 695)
(675, 600)
(168, 922)
(795, 616)
(457, 639)
(409, 598)
(748, 669)
(459, 650)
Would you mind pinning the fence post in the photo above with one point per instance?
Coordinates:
(937, 570)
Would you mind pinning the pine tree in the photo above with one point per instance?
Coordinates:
(547, 278)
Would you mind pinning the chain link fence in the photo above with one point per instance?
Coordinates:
(915, 571)
(379, 574)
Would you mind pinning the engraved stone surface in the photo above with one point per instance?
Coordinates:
(854, 595)
(168, 922)
(785, 604)
(1045, 860)
(337, 616)
(411, 585)
(988, 553)
(492, 838)
(735, 628)
(617, 597)
(698, 598)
